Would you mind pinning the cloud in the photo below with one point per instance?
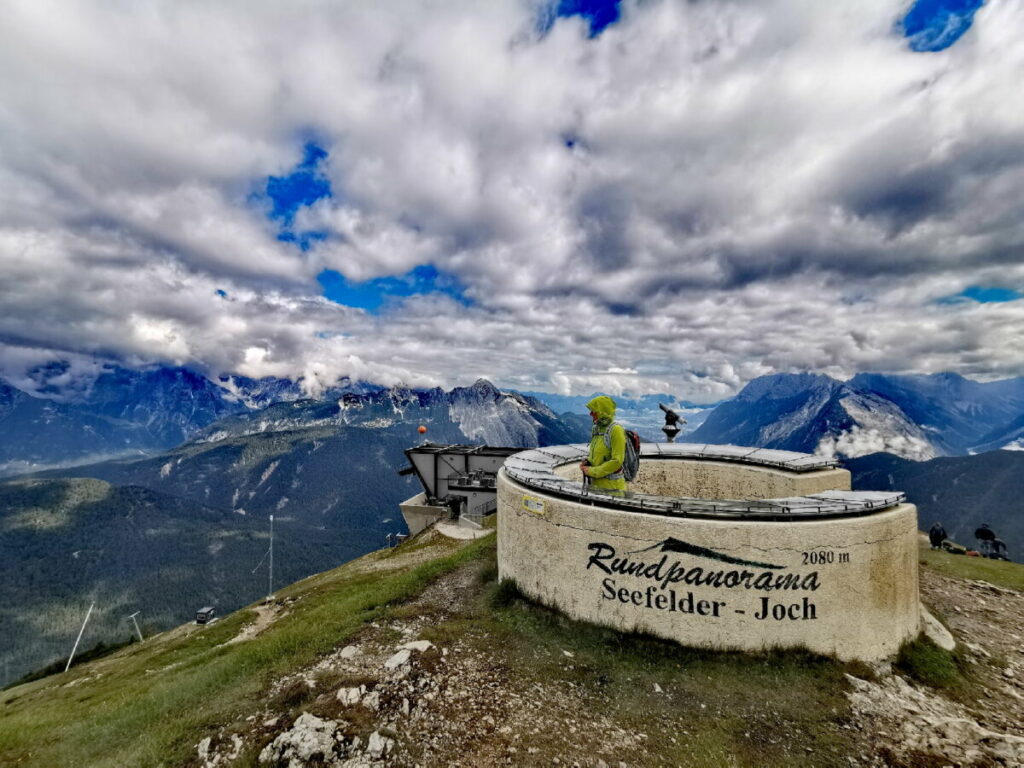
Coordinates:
(699, 194)
(860, 442)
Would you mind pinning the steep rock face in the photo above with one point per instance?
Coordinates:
(487, 415)
(773, 412)
(259, 393)
(876, 424)
(814, 413)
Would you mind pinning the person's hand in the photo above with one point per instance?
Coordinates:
(583, 468)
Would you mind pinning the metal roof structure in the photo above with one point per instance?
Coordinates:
(463, 450)
(465, 472)
(535, 469)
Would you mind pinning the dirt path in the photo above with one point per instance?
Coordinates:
(266, 614)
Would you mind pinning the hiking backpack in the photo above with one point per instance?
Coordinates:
(631, 461)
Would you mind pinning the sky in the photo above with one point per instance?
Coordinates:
(645, 196)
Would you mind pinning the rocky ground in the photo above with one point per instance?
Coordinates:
(393, 698)
(426, 704)
(914, 725)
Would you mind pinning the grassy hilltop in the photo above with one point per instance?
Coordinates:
(502, 682)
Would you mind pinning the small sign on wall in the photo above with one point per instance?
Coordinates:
(531, 504)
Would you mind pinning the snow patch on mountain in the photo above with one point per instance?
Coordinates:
(258, 393)
(381, 423)
(268, 472)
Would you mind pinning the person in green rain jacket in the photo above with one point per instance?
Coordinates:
(603, 466)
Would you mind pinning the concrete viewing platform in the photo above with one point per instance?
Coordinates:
(716, 546)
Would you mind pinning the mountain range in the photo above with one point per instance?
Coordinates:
(917, 417)
(126, 412)
(130, 413)
(639, 413)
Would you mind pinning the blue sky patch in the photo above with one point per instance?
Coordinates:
(934, 25)
(302, 239)
(372, 295)
(983, 295)
(287, 194)
(598, 13)
(303, 186)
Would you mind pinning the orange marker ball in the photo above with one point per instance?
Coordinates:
(422, 429)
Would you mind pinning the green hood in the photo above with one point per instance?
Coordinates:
(604, 407)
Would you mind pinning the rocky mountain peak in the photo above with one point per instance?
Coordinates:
(481, 388)
(778, 386)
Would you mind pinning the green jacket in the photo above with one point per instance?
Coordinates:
(606, 464)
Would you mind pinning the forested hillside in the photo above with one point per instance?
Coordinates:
(65, 543)
(961, 492)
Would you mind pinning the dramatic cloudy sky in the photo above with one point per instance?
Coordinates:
(650, 196)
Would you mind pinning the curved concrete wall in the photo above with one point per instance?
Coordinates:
(844, 586)
(704, 479)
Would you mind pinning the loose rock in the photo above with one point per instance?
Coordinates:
(309, 737)
(399, 659)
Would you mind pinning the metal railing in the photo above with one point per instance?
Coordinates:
(535, 469)
(476, 515)
(472, 481)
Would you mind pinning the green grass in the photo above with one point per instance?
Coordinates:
(154, 701)
(98, 651)
(997, 572)
(927, 663)
(142, 711)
